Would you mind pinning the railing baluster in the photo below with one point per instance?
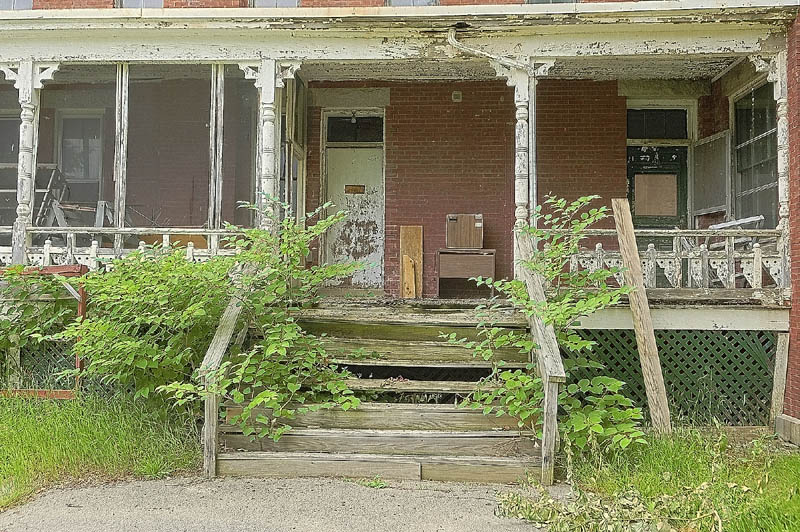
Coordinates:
(704, 267)
(190, 251)
(730, 249)
(141, 246)
(677, 253)
(165, 244)
(93, 256)
(758, 271)
(650, 270)
(47, 260)
(70, 248)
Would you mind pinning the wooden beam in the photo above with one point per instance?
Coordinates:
(779, 378)
(407, 281)
(411, 245)
(215, 148)
(694, 317)
(642, 320)
(120, 151)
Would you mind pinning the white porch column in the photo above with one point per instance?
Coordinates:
(268, 75)
(28, 77)
(120, 150)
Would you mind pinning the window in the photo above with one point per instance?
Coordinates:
(9, 140)
(355, 129)
(8, 5)
(657, 124)
(756, 155)
(410, 3)
(274, 3)
(9, 149)
(80, 154)
(139, 4)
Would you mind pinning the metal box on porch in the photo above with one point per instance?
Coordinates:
(464, 231)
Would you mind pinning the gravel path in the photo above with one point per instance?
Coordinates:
(233, 505)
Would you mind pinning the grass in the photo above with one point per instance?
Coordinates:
(375, 482)
(752, 487)
(692, 481)
(44, 442)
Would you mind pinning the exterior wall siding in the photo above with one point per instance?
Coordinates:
(792, 397)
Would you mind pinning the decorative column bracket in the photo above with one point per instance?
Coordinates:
(268, 75)
(28, 78)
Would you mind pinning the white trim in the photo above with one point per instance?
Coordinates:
(740, 318)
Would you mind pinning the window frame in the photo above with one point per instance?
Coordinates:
(95, 113)
(735, 179)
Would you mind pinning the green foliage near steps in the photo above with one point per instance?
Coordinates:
(595, 415)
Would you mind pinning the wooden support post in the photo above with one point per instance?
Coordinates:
(120, 151)
(642, 320)
(215, 148)
(411, 273)
(28, 78)
(779, 377)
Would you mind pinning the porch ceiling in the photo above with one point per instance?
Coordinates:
(597, 68)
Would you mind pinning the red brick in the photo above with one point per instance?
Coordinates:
(792, 398)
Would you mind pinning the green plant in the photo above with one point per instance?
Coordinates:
(32, 306)
(595, 415)
(375, 482)
(286, 371)
(44, 442)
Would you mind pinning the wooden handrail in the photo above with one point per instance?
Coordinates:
(548, 358)
(211, 362)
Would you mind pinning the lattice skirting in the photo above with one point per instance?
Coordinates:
(723, 375)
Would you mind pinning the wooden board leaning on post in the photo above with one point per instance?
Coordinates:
(642, 320)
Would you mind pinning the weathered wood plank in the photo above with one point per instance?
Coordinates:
(407, 280)
(695, 317)
(483, 471)
(549, 432)
(779, 378)
(422, 353)
(409, 386)
(279, 465)
(408, 315)
(642, 320)
(411, 246)
(393, 416)
(391, 442)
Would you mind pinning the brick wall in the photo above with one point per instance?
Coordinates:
(205, 3)
(581, 136)
(444, 157)
(712, 112)
(792, 398)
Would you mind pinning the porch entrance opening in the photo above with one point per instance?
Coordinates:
(354, 182)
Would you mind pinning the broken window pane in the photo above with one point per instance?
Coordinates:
(657, 124)
(355, 129)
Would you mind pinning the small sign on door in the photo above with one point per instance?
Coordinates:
(354, 189)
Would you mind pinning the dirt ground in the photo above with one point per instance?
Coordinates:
(233, 505)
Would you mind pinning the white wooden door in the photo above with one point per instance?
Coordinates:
(355, 184)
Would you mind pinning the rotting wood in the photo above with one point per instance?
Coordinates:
(642, 320)
(212, 360)
(390, 442)
(215, 144)
(266, 464)
(412, 386)
(779, 377)
(411, 245)
(390, 416)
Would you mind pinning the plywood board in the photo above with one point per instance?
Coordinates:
(411, 246)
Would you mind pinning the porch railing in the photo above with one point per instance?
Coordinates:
(97, 255)
(727, 263)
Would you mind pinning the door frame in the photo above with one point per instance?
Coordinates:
(691, 107)
(327, 113)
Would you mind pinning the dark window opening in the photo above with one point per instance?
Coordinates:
(657, 124)
(355, 129)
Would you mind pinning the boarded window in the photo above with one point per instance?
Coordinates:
(355, 129)
(657, 124)
(656, 194)
(756, 151)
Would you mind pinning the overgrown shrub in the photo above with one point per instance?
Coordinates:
(594, 414)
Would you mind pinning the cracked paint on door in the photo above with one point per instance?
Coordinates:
(355, 184)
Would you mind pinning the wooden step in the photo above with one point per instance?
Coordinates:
(483, 469)
(403, 323)
(371, 352)
(410, 386)
(392, 442)
(394, 416)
